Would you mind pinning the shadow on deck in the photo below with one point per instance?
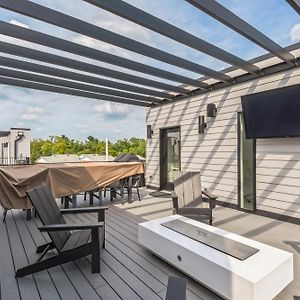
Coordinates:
(127, 270)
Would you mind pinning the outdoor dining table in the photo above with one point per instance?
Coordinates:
(63, 179)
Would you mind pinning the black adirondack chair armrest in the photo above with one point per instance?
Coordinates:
(65, 227)
(210, 198)
(175, 200)
(206, 193)
(80, 210)
(194, 211)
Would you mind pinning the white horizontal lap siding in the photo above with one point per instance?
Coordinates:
(275, 210)
(214, 154)
(23, 145)
(278, 175)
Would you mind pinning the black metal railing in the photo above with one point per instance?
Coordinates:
(12, 161)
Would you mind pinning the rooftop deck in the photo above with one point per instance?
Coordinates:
(127, 270)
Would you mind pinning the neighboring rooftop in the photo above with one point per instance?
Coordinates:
(4, 133)
(58, 158)
(95, 157)
(20, 128)
(62, 158)
(141, 157)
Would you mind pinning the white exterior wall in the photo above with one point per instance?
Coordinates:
(214, 153)
(23, 145)
(3, 140)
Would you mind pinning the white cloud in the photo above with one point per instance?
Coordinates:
(61, 115)
(31, 113)
(84, 129)
(20, 124)
(111, 109)
(15, 22)
(295, 32)
(29, 117)
(34, 110)
(117, 130)
(82, 126)
(119, 26)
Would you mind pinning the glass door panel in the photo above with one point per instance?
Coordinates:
(247, 162)
(173, 153)
(169, 156)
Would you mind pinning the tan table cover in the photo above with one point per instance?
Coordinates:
(63, 179)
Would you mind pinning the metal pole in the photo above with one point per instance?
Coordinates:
(106, 148)
(8, 152)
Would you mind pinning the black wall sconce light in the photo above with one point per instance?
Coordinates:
(201, 124)
(149, 132)
(211, 110)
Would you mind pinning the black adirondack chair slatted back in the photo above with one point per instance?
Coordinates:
(49, 213)
(187, 186)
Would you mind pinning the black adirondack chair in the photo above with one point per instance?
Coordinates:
(71, 241)
(188, 197)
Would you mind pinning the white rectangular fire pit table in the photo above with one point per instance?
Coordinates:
(240, 269)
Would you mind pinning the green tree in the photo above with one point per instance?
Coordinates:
(63, 145)
(47, 148)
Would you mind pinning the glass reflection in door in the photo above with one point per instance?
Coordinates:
(246, 163)
(169, 156)
(173, 153)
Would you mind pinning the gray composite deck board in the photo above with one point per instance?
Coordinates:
(128, 271)
(27, 286)
(132, 223)
(125, 269)
(95, 279)
(9, 286)
(80, 282)
(76, 284)
(113, 278)
(140, 288)
(128, 227)
(44, 283)
(106, 292)
(151, 263)
(119, 252)
(116, 250)
(119, 286)
(64, 286)
(158, 274)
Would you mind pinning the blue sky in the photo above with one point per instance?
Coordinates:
(52, 114)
